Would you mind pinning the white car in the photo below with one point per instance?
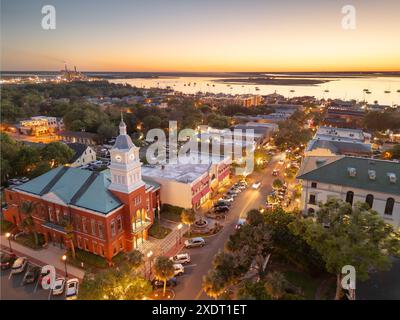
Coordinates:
(195, 242)
(19, 265)
(97, 162)
(227, 198)
(178, 269)
(256, 185)
(71, 289)
(59, 286)
(181, 258)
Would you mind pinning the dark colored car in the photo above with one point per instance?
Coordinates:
(31, 275)
(160, 284)
(221, 203)
(222, 209)
(7, 260)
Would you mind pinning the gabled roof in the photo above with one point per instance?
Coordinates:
(340, 147)
(336, 172)
(78, 148)
(74, 186)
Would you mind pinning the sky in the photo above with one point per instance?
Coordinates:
(207, 35)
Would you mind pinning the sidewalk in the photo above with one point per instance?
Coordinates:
(51, 255)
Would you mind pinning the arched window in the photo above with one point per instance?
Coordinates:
(349, 197)
(389, 206)
(370, 200)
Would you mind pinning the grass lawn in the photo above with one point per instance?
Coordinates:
(158, 231)
(28, 240)
(6, 226)
(304, 281)
(170, 215)
(89, 260)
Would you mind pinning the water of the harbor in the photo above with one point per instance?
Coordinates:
(384, 90)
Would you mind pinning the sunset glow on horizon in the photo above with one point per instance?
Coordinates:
(219, 36)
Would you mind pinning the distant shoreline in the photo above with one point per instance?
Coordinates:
(274, 81)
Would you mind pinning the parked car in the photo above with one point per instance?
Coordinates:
(240, 186)
(43, 273)
(24, 179)
(181, 258)
(256, 185)
(178, 269)
(195, 242)
(227, 198)
(275, 172)
(221, 203)
(71, 290)
(31, 275)
(59, 286)
(215, 215)
(234, 190)
(19, 265)
(281, 161)
(221, 209)
(159, 284)
(7, 260)
(232, 194)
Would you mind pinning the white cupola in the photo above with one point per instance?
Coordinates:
(125, 167)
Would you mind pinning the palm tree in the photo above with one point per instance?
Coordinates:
(69, 228)
(188, 217)
(164, 270)
(27, 208)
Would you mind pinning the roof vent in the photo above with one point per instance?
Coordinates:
(392, 177)
(371, 174)
(352, 172)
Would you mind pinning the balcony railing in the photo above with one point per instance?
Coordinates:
(140, 225)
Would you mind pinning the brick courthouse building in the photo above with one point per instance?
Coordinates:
(110, 211)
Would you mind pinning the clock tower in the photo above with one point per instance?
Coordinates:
(125, 165)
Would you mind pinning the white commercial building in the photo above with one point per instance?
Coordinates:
(352, 179)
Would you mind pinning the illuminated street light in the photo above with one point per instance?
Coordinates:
(64, 258)
(149, 254)
(8, 236)
(179, 230)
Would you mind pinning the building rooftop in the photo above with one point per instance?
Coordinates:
(78, 148)
(74, 186)
(340, 147)
(335, 170)
(184, 173)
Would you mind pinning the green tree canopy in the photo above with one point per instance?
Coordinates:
(343, 235)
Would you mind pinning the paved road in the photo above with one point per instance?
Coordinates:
(189, 285)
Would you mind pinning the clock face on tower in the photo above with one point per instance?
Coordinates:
(118, 158)
(132, 156)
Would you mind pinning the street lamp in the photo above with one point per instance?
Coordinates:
(179, 230)
(149, 254)
(8, 236)
(64, 258)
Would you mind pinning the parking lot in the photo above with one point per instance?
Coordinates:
(12, 287)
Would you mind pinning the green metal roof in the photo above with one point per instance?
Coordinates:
(336, 173)
(75, 186)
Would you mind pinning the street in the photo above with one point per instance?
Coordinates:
(189, 284)
(13, 289)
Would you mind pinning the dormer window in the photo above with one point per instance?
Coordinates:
(352, 172)
(392, 177)
(371, 174)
